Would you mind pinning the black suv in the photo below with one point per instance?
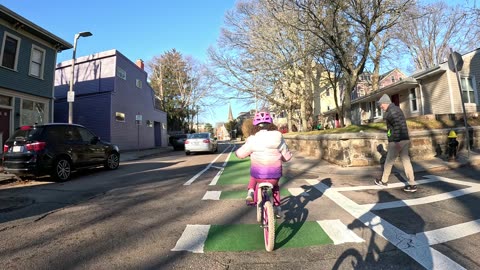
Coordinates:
(56, 150)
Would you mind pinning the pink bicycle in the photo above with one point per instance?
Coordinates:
(265, 214)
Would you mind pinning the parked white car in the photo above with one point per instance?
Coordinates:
(201, 142)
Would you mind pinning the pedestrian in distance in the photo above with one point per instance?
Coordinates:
(267, 150)
(398, 143)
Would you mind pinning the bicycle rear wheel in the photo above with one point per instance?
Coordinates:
(268, 226)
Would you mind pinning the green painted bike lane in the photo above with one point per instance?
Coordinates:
(249, 237)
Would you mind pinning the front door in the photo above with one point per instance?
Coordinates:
(4, 124)
(396, 99)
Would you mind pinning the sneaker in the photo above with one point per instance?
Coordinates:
(379, 182)
(410, 188)
(277, 211)
(249, 198)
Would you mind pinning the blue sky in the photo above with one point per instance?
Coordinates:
(139, 29)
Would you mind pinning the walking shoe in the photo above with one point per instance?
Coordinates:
(249, 198)
(379, 182)
(410, 188)
(277, 211)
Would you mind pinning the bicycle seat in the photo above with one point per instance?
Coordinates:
(269, 185)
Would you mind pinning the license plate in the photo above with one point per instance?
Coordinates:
(17, 148)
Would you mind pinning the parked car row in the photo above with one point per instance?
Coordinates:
(56, 150)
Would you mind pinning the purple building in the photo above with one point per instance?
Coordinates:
(113, 99)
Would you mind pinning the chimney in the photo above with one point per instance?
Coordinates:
(140, 64)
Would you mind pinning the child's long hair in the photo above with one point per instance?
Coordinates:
(263, 126)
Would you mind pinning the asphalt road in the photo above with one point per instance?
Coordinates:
(134, 217)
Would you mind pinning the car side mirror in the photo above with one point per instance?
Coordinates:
(94, 140)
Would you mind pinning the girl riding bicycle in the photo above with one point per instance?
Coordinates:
(267, 150)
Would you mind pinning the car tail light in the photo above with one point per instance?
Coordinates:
(38, 146)
(25, 127)
(206, 141)
(187, 142)
(5, 148)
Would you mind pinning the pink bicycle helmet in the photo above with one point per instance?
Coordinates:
(262, 117)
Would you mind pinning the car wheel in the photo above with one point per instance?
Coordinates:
(113, 161)
(187, 153)
(62, 170)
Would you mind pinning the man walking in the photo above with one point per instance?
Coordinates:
(398, 143)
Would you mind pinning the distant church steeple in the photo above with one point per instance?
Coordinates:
(230, 115)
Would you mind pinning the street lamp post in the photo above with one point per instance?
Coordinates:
(71, 94)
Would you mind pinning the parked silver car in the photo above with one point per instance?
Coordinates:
(201, 142)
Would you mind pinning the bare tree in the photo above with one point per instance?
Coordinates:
(264, 59)
(180, 84)
(428, 31)
(348, 29)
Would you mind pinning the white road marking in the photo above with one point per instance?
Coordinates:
(452, 232)
(424, 200)
(228, 157)
(192, 239)
(416, 246)
(212, 195)
(453, 181)
(338, 232)
(298, 192)
(191, 180)
(217, 176)
(390, 185)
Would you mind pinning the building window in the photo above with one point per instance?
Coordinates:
(33, 112)
(37, 60)
(138, 83)
(120, 117)
(375, 110)
(4, 100)
(467, 90)
(122, 74)
(9, 53)
(413, 100)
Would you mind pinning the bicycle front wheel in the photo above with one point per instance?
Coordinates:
(268, 226)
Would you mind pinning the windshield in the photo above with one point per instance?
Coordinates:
(198, 136)
(26, 133)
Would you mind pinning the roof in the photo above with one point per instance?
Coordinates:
(403, 84)
(18, 21)
(428, 72)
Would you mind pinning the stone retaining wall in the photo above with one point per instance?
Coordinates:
(367, 149)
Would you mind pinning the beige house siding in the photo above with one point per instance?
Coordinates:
(436, 95)
(406, 105)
